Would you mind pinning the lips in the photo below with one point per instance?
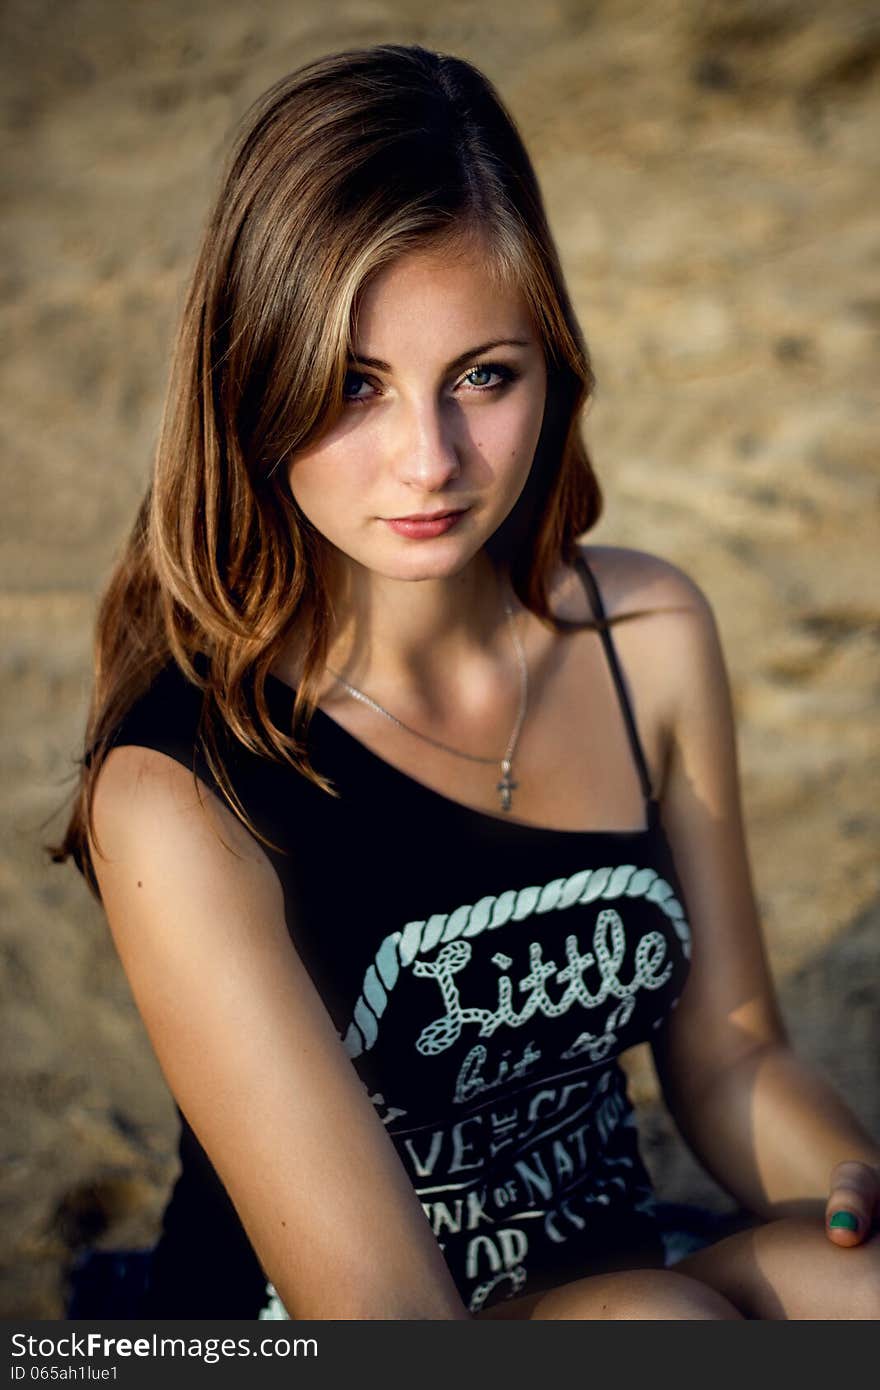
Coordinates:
(425, 526)
(428, 516)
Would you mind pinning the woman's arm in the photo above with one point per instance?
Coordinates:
(763, 1122)
(252, 1056)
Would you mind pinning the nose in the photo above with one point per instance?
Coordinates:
(427, 454)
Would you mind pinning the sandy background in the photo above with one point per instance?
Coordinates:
(709, 172)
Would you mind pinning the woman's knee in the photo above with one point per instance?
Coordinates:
(813, 1278)
(636, 1295)
(663, 1294)
(788, 1268)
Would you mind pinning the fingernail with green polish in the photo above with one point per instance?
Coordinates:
(846, 1220)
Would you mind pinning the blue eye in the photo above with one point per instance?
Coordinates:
(359, 376)
(498, 369)
(507, 374)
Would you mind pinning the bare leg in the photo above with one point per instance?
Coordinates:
(632, 1294)
(789, 1269)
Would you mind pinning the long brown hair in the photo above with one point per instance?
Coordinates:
(336, 170)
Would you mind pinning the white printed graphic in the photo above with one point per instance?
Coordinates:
(519, 1175)
(273, 1309)
(391, 1112)
(565, 1150)
(649, 957)
(403, 949)
(472, 1081)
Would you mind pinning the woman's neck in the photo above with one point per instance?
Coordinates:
(429, 644)
(426, 638)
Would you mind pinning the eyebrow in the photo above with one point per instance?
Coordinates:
(456, 361)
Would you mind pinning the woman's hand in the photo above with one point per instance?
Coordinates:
(854, 1204)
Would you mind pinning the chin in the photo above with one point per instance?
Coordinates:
(422, 568)
(415, 560)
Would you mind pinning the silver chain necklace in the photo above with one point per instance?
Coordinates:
(506, 786)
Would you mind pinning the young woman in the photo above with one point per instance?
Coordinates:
(403, 834)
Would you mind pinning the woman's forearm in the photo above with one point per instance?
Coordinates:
(770, 1130)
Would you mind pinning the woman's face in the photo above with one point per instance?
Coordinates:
(444, 403)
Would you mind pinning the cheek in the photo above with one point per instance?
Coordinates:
(302, 482)
(320, 481)
(511, 436)
(316, 497)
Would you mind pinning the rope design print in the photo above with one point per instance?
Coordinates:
(401, 949)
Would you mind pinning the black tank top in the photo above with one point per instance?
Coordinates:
(483, 993)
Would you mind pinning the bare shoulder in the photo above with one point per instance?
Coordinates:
(638, 581)
(147, 804)
(665, 634)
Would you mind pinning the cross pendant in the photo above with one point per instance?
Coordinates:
(506, 785)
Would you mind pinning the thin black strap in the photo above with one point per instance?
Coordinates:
(595, 599)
